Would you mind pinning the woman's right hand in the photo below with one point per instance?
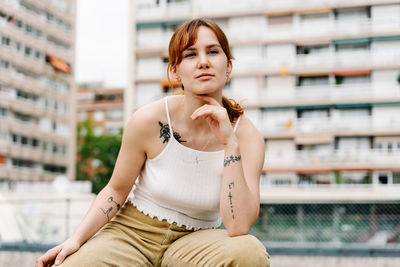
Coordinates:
(57, 254)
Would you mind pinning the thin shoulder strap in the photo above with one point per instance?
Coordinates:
(167, 112)
(236, 124)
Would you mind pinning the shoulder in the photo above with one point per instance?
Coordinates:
(248, 132)
(144, 124)
(151, 113)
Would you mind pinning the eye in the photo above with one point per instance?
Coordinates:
(189, 55)
(214, 51)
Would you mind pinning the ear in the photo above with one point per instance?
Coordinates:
(175, 75)
(229, 67)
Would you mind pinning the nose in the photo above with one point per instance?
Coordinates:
(203, 62)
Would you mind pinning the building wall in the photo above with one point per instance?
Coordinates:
(318, 79)
(37, 89)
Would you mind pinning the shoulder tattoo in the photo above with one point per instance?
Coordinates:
(166, 135)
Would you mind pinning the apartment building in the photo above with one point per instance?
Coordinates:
(103, 106)
(37, 112)
(320, 80)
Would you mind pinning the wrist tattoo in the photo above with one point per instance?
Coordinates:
(230, 186)
(231, 159)
(108, 211)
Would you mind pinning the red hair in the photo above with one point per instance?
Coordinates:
(185, 36)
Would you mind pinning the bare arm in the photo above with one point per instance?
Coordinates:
(240, 197)
(127, 167)
(243, 163)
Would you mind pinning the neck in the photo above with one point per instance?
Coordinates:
(189, 104)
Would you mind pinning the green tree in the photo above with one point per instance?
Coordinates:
(96, 155)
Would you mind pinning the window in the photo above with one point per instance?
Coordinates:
(300, 50)
(35, 142)
(28, 51)
(98, 131)
(3, 112)
(98, 115)
(396, 177)
(82, 115)
(38, 55)
(24, 140)
(280, 20)
(310, 81)
(115, 114)
(390, 146)
(5, 41)
(383, 178)
(18, 46)
(19, 23)
(28, 28)
(15, 138)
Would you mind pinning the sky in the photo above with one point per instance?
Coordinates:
(102, 42)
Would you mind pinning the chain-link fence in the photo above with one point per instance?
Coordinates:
(35, 224)
(363, 224)
(40, 223)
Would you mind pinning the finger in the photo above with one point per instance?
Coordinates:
(206, 111)
(196, 113)
(61, 256)
(48, 256)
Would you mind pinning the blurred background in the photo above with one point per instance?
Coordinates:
(319, 78)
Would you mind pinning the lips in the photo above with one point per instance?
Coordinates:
(204, 76)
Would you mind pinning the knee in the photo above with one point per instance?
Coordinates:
(247, 250)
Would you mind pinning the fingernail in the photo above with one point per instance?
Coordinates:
(57, 262)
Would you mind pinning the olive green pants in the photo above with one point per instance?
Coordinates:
(135, 239)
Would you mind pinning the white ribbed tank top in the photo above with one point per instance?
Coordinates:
(181, 185)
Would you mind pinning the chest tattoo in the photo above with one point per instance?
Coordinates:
(165, 133)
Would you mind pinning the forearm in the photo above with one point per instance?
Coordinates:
(238, 206)
(104, 207)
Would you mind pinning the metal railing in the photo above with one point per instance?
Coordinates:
(301, 157)
(39, 223)
(334, 225)
(41, 220)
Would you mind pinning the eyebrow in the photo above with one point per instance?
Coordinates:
(208, 46)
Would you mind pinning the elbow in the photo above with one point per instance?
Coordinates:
(238, 230)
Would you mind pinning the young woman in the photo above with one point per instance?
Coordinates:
(197, 160)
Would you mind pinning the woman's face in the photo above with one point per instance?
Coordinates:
(204, 67)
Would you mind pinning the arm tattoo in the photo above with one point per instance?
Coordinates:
(107, 212)
(228, 160)
(230, 186)
(165, 133)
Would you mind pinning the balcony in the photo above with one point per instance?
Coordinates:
(14, 79)
(25, 152)
(319, 62)
(328, 94)
(23, 61)
(24, 174)
(26, 106)
(329, 160)
(182, 10)
(32, 19)
(330, 126)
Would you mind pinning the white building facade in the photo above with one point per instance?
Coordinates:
(320, 80)
(37, 113)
